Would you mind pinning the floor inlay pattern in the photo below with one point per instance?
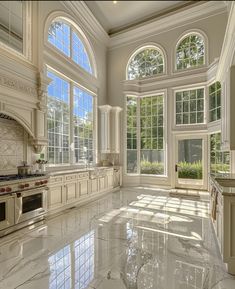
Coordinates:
(126, 240)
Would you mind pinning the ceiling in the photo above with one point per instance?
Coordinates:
(126, 14)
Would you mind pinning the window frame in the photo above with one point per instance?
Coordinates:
(162, 92)
(185, 34)
(26, 54)
(217, 107)
(150, 45)
(67, 19)
(190, 125)
(73, 84)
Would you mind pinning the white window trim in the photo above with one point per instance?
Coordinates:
(196, 125)
(186, 33)
(165, 131)
(68, 19)
(26, 55)
(153, 45)
(73, 83)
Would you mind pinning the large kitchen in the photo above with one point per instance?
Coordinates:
(117, 149)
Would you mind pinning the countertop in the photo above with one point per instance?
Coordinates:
(225, 183)
(71, 171)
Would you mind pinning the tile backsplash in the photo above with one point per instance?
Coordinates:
(12, 144)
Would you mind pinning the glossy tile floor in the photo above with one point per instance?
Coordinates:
(135, 239)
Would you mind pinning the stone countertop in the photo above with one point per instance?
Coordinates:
(78, 170)
(225, 183)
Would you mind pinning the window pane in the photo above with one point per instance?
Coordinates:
(11, 23)
(58, 119)
(83, 126)
(190, 52)
(214, 101)
(131, 161)
(152, 137)
(79, 53)
(59, 36)
(147, 62)
(190, 107)
(219, 160)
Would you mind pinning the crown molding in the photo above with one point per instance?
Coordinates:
(167, 23)
(83, 13)
(228, 48)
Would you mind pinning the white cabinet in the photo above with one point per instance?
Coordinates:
(71, 188)
(227, 113)
(115, 129)
(109, 174)
(94, 185)
(109, 129)
(55, 195)
(105, 128)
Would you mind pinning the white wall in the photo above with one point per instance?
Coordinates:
(214, 28)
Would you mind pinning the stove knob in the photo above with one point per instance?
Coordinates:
(42, 182)
(37, 184)
(2, 190)
(8, 189)
(46, 181)
(26, 185)
(21, 186)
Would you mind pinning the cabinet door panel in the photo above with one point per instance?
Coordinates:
(83, 186)
(94, 186)
(55, 196)
(71, 192)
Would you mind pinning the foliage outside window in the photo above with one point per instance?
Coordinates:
(11, 23)
(149, 136)
(215, 101)
(219, 160)
(131, 134)
(190, 106)
(65, 38)
(59, 122)
(190, 52)
(58, 118)
(147, 62)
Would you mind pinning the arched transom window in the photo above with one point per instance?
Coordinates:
(148, 61)
(68, 40)
(190, 52)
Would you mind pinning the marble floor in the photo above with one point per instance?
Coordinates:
(131, 239)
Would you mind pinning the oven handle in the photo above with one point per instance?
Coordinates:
(21, 194)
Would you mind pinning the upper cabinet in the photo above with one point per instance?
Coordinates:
(109, 129)
(228, 115)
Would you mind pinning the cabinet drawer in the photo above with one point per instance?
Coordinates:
(83, 175)
(70, 177)
(55, 180)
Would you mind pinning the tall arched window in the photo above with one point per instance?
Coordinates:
(68, 40)
(147, 61)
(190, 52)
(71, 105)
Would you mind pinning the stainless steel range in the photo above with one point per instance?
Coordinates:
(23, 201)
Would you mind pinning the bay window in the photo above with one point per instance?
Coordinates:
(215, 101)
(145, 135)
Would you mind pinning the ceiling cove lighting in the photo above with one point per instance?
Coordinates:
(114, 2)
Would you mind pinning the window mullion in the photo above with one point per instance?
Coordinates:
(71, 128)
(138, 135)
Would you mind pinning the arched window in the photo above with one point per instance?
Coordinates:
(190, 52)
(71, 101)
(147, 61)
(68, 40)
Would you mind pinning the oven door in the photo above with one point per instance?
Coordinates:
(30, 204)
(7, 211)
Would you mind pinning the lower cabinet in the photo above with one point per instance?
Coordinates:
(67, 189)
(56, 196)
(94, 185)
(71, 191)
(83, 187)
